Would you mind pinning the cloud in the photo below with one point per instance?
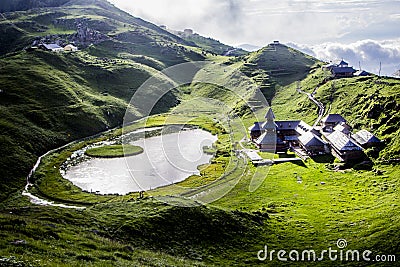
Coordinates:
(369, 53)
(219, 19)
(260, 21)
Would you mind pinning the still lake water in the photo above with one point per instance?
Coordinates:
(167, 159)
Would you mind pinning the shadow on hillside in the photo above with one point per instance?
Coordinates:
(298, 163)
(324, 159)
(286, 155)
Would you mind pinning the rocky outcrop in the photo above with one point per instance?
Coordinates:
(72, 24)
(86, 36)
(83, 37)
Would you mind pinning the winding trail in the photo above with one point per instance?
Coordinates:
(43, 202)
(321, 107)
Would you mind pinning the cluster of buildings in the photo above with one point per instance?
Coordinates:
(55, 48)
(334, 136)
(343, 70)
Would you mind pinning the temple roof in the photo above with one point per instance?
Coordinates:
(342, 142)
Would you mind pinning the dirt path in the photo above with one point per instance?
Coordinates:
(43, 202)
(321, 107)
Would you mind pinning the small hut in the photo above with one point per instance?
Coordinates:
(51, 47)
(70, 48)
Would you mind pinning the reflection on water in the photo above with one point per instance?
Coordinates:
(167, 159)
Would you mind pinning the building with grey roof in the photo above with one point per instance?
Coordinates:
(340, 70)
(343, 147)
(313, 144)
(51, 47)
(330, 122)
(366, 139)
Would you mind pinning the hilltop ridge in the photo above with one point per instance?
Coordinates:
(277, 65)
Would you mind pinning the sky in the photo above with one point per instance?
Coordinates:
(362, 32)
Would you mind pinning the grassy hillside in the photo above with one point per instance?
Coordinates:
(56, 98)
(277, 65)
(90, 22)
(49, 99)
(19, 5)
(370, 103)
(135, 233)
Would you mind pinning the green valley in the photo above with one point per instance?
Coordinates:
(69, 100)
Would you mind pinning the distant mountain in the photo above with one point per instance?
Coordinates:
(249, 47)
(86, 22)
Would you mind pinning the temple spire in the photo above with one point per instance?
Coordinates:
(269, 125)
(270, 116)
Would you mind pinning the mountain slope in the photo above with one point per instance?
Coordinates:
(48, 99)
(58, 98)
(370, 103)
(277, 65)
(92, 22)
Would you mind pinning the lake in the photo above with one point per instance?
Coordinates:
(167, 159)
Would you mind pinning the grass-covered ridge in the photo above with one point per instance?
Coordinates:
(276, 66)
(132, 233)
(116, 31)
(370, 103)
(114, 151)
(20, 5)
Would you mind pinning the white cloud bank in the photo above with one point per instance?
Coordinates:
(259, 22)
(368, 53)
